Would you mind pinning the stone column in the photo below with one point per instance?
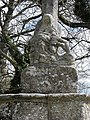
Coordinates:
(50, 7)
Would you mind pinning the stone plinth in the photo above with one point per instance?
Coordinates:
(53, 107)
(54, 111)
(49, 79)
(47, 106)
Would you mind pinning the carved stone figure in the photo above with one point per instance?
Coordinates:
(46, 42)
(59, 42)
(46, 25)
(49, 71)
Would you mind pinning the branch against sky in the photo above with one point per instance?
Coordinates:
(74, 24)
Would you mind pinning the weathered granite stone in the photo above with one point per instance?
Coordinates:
(51, 7)
(5, 111)
(45, 50)
(52, 109)
(49, 79)
(45, 106)
(49, 72)
(66, 111)
(30, 111)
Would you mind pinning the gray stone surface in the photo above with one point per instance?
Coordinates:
(49, 71)
(51, 7)
(51, 110)
(66, 111)
(30, 111)
(5, 111)
(49, 79)
(46, 46)
(45, 107)
(45, 49)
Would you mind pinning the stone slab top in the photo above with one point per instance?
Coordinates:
(37, 97)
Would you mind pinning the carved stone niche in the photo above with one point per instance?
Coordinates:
(45, 78)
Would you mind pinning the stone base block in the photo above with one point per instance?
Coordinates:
(49, 79)
(52, 108)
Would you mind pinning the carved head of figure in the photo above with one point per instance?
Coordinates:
(47, 19)
(47, 24)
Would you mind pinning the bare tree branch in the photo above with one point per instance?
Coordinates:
(83, 57)
(22, 33)
(31, 18)
(29, 6)
(12, 61)
(73, 25)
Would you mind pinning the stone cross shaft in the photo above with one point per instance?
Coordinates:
(50, 7)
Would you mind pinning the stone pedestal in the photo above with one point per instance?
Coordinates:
(52, 107)
(47, 78)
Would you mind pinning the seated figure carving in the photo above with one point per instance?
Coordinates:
(46, 42)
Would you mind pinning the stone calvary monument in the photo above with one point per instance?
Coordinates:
(49, 72)
(50, 80)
